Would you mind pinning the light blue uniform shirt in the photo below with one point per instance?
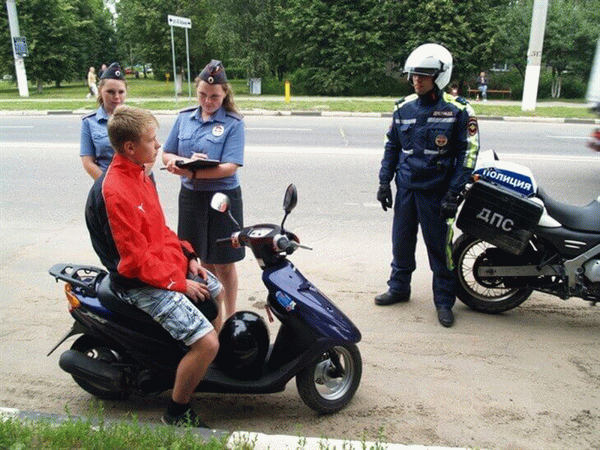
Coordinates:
(221, 137)
(94, 139)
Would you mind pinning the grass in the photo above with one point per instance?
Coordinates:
(95, 434)
(79, 434)
(159, 95)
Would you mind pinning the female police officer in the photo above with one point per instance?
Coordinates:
(214, 130)
(431, 149)
(96, 152)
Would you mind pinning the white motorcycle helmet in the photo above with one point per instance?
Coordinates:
(430, 60)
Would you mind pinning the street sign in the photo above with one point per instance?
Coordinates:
(182, 22)
(20, 44)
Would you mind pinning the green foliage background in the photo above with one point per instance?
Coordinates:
(329, 47)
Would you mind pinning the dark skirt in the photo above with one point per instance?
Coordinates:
(201, 226)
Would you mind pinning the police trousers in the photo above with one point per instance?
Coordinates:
(414, 208)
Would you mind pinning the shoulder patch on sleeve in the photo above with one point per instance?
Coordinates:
(472, 126)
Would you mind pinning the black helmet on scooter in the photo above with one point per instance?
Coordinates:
(244, 344)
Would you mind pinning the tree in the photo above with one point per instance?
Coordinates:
(335, 45)
(341, 44)
(569, 40)
(62, 38)
(243, 32)
(145, 35)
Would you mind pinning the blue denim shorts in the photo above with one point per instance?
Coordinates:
(174, 311)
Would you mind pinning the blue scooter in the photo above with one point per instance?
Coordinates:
(121, 350)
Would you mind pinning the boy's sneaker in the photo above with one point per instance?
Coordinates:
(187, 419)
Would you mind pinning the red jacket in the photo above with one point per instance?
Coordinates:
(146, 249)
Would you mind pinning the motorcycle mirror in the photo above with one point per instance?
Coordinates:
(290, 200)
(220, 202)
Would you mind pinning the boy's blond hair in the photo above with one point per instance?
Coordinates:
(127, 125)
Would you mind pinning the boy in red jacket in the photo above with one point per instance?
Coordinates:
(148, 264)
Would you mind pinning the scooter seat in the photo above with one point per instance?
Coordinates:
(577, 218)
(112, 301)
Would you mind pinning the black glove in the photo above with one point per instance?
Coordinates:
(384, 196)
(449, 206)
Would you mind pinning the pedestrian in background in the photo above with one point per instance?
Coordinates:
(91, 81)
(213, 130)
(431, 149)
(482, 85)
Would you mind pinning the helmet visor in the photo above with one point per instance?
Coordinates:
(429, 72)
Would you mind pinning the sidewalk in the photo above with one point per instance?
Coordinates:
(320, 113)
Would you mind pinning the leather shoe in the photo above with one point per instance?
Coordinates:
(445, 316)
(391, 297)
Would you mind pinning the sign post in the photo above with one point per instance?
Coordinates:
(534, 55)
(181, 22)
(19, 48)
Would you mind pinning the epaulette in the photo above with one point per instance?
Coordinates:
(403, 100)
(188, 109)
(462, 100)
(234, 115)
(89, 115)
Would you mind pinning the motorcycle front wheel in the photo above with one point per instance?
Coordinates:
(488, 295)
(96, 349)
(331, 380)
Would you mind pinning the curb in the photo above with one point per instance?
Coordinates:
(311, 114)
(247, 439)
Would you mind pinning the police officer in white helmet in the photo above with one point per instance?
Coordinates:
(430, 151)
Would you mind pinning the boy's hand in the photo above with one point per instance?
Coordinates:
(197, 291)
(196, 268)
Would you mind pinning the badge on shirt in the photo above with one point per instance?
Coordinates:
(218, 130)
(441, 140)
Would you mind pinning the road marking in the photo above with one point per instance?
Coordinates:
(579, 138)
(277, 129)
(266, 149)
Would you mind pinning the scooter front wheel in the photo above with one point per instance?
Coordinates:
(331, 380)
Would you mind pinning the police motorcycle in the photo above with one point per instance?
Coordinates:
(121, 350)
(517, 239)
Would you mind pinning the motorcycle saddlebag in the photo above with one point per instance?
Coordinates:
(498, 216)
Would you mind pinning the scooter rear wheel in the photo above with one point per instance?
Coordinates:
(327, 388)
(96, 349)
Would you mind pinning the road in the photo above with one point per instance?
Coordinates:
(526, 379)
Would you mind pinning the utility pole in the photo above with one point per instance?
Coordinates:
(19, 48)
(534, 55)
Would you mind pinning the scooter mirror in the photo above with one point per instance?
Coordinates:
(220, 202)
(290, 199)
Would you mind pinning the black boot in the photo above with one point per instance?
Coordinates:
(391, 297)
(445, 316)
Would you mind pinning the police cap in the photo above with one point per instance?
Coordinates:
(114, 72)
(214, 73)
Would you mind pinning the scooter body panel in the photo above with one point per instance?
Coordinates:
(293, 295)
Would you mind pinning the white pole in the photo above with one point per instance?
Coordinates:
(13, 22)
(534, 55)
(187, 47)
(174, 68)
